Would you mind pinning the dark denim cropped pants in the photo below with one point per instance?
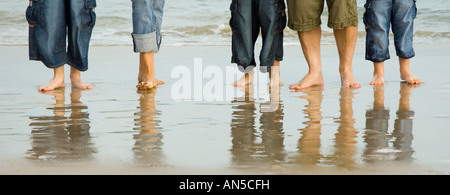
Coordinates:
(147, 19)
(379, 16)
(52, 22)
(249, 18)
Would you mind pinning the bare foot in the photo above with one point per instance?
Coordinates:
(246, 79)
(146, 85)
(143, 71)
(405, 73)
(378, 73)
(311, 79)
(58, 93)
(56, 82)
(349, 81)
(274, 75)
(147, 80)
(75, 78)
(377, 80)
(78, 83)
(409, 78)
(405, 88)
(146, 76)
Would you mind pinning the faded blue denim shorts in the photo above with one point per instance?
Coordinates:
(379, 17)
(52, 22)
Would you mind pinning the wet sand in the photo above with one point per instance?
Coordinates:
(115, 129)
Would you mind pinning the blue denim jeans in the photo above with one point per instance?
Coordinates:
(378, 18)
(51, 22)
(248, 19)
(147, 19)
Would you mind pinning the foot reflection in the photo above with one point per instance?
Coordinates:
(147, 148)
(403, 125)
(377, 125)
(377, 135)
(271, 126)
(345, 138)
(252, 145)
(309, 142)
(243, 128)
(61, 137)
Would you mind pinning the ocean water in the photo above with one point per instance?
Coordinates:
(205, 22)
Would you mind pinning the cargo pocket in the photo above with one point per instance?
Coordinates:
(233, 9)
(281, 12)
(415, 7)
(90, 16)
(34, 12)
(366, 15)
(33, 16)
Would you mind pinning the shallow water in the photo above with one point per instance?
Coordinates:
(395, 129)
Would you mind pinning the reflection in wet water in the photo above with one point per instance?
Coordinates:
(345, 138)
(309, 142)
(61, 137)
(258, 131)
(147, 148)
(377, 136)
(271, 126)
(252, 145)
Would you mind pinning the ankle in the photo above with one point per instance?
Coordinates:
(58, 73)
(315, 71)
(378, 72)
(75, 77)
(345, 71)
(58, 77)
(404, 71)
(75, 74)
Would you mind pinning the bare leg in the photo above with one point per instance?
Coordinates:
(406, 74)
(146, 77)
(274, 75)
(378, 73)
(247, 79)
(56, 82)
(75, 77)
(141, 70)
(378, 97)
(310, 41)
(346, 42)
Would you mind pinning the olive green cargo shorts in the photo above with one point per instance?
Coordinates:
(304, 15)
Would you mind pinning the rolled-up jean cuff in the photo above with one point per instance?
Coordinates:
(245, 69)
(145, 42)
